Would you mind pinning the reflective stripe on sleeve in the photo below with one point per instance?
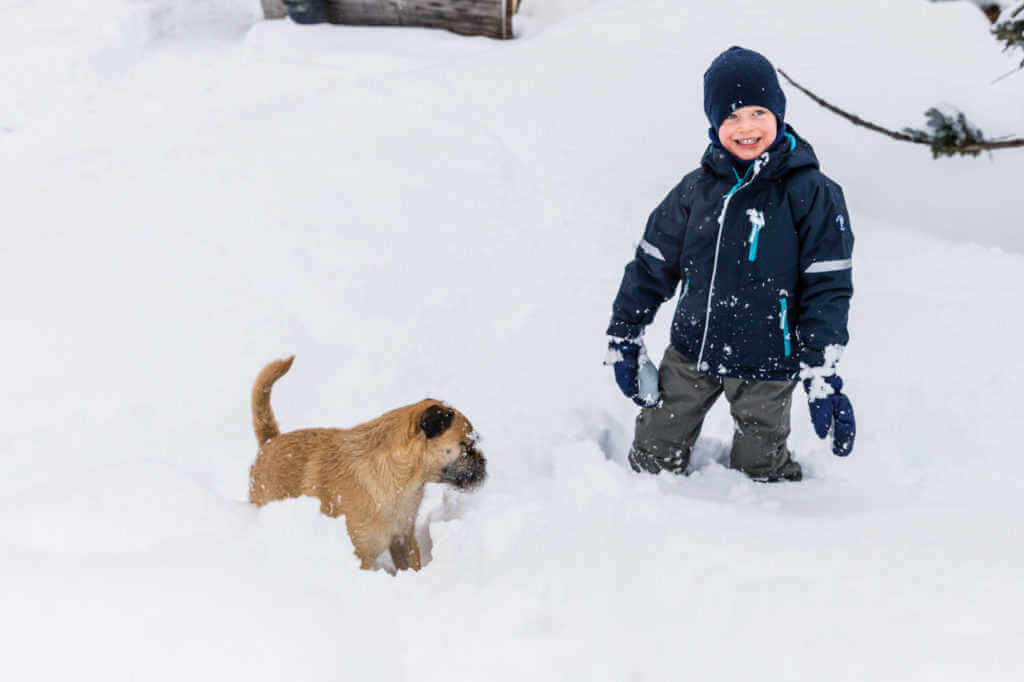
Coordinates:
(829, 266)
(651, 250)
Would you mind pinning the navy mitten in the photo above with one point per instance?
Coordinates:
(635, 374)
(832, 411)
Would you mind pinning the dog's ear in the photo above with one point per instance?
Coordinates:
(436, 420)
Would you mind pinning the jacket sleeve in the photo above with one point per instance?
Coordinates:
(826, 272)
(651, 277)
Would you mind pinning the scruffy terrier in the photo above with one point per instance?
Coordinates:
(373, 473)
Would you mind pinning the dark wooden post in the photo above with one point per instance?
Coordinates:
(492, 18)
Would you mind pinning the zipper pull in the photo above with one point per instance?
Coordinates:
(756, 223)
(784, 324)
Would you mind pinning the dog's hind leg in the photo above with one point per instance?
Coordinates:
(405, 552)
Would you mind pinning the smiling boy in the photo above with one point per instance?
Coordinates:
(760, 239)
(747, 132)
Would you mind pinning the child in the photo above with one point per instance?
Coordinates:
(761, 241)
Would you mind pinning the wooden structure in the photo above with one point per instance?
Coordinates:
(274, 9)
(491, 18)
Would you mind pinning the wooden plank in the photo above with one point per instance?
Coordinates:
(492, 18)
(274, 9)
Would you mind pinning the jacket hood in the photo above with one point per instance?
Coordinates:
(793, 153)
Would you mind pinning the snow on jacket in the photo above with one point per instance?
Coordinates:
(765, 262)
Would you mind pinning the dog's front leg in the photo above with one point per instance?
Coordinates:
(367, 545)
(405, 552)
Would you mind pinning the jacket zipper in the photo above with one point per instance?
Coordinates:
(740, 184)
(784, 324)
(756, 223)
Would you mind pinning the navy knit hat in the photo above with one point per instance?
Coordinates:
(741, 78)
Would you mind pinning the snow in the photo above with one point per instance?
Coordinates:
(190, 192)
(818, 389)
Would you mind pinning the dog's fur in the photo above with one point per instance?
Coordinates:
(373, 473)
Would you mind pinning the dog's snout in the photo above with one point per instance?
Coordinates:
(467, 471)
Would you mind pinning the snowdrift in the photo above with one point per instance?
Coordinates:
(190, 192)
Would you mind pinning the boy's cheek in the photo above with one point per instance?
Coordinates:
(723, 134)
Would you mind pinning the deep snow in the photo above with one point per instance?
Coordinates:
(190, 192)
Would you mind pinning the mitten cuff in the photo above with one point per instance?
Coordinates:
(619, 347)
(821, 381)
(827, 357)
(613, 356)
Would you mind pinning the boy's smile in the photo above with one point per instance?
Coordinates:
(747, 132)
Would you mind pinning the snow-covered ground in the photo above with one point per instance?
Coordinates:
(189, 192)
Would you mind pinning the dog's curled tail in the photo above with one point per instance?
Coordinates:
(263, 420)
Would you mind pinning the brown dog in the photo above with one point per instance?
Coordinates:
(372, 473)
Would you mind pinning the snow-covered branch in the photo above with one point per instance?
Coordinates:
(948, 134)
(1011, 31)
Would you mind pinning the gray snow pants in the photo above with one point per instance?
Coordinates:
(760, 409)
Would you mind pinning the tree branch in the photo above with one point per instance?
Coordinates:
(972, 143)
(1011, 31)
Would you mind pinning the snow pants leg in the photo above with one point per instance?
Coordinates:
(665, 434)
(760, 414)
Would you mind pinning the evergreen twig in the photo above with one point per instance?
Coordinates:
(1011, 31)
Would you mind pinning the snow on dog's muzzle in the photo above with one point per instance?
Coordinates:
(466, 472)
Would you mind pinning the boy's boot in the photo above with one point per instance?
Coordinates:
(790, 470)
(673, 461)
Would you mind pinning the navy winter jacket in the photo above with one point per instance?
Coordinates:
(765, 263)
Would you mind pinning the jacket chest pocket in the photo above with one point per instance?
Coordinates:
(770, 246)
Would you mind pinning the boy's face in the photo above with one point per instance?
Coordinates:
(747, 132)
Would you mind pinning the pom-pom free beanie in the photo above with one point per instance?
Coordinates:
(741, 78)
